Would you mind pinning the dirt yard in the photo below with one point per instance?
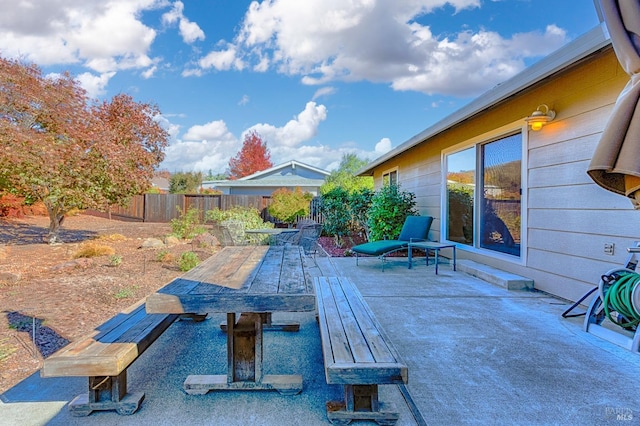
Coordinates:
(43, 288)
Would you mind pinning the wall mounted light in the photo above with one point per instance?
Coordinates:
(539, 118)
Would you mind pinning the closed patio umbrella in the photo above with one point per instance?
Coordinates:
(615, 164)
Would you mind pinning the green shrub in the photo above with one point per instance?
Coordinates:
(188, 260)
(126, 293)
(249, 216)
(335, 214)
(288, 205)
(115, 260)
(185, 182)
(389, 208)
(359, 205)
(188, 225)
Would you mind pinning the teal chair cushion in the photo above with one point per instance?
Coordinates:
(376, 248)
(415, 228)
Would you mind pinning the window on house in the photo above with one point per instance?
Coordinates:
(483, 199)
(390, 177)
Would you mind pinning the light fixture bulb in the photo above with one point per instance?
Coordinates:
(536, 125)
(538, 118)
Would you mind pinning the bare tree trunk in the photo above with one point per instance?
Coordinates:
(56, 218)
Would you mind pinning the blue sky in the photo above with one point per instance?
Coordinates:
(315, 78)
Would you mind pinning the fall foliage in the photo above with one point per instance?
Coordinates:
(61, 149)
(253, 157)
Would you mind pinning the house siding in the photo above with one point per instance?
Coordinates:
(568, 217)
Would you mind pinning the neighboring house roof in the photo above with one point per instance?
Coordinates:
(290, 174)
(294, 181)
(570, 54)
(291, 168)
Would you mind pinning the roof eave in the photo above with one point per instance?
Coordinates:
(582, 47)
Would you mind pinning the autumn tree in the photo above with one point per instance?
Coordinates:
(254, 156)
(61, 149)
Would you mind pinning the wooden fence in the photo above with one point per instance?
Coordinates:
(164, 207)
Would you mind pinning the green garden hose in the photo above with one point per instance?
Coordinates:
(619, 298)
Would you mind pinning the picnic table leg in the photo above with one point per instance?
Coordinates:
(244, 362)
(361, 403)
(106, 393)
(244, 349)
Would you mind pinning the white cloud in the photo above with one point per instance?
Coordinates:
(383, 146)
(244, 100)
(148, 73)
(301, 128)
(324, 91)
(380, 41)
(210, 146)
(223, 60)
(104, 36)
(189, 31)
(202, 147)
(212, 131)
(95, 85)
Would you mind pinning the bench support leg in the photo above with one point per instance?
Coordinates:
(244, 362)
(361, 403)
(106, 393)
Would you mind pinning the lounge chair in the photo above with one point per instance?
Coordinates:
(415, 228)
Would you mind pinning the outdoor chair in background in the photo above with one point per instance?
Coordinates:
(414, 229)
(304, 222)
(293, 237)
(230, 233)
(308, 238)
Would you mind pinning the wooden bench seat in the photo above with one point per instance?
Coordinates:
(104, 356)
(357, 353)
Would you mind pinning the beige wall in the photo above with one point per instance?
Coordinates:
(568, 217)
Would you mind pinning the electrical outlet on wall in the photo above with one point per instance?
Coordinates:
(609, 248)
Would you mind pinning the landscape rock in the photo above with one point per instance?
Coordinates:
(9, 277)
(205, 240)
(152, 243)
(82, 263)
(172, 241)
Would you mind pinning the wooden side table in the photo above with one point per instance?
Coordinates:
(436, 247)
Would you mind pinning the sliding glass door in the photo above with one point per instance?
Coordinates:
(483, 202)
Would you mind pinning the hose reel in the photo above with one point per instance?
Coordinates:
(620, 294)
(618, 300)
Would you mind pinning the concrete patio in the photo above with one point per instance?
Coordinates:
(477, 354)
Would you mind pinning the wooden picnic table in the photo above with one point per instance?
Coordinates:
(253, 280)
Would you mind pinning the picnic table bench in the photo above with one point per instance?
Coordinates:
(357, 353)
(104, 356)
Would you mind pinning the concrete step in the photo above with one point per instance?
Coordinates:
(495, 276)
